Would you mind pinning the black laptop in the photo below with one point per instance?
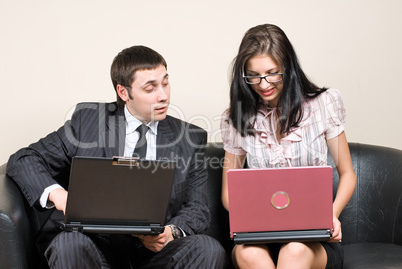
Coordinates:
(118, 195)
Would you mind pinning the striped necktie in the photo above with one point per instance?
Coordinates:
(140, 150)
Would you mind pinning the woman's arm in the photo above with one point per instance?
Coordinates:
(231, 161)
(339, 149)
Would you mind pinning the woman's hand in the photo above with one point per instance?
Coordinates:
(337, 232)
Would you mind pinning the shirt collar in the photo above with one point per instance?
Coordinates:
(132, 123)
(267, 130)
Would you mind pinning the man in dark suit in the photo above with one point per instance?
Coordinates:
(137, 120)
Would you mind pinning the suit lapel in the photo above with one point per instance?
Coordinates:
(165, 146)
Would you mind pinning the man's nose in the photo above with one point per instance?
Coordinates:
(162, 95)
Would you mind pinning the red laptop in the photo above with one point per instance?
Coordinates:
(280, 205)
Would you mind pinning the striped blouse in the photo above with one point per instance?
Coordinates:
(323, 119)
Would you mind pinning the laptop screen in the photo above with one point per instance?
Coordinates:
(110, 191)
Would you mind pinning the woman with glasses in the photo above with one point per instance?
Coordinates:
(279, 118)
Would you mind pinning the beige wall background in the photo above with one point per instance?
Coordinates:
(54, 54)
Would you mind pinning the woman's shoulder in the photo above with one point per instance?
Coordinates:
(226, 113)
(331, 95)
(327, 103)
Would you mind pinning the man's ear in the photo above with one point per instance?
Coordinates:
(122, 92)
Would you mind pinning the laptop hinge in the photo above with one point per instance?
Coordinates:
(155, 225)
(76, 226)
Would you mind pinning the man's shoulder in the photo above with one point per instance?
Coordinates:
(108, 106)
(98, 109)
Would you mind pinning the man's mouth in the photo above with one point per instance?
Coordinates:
(161, 108)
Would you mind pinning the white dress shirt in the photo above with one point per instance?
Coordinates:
(132, 136)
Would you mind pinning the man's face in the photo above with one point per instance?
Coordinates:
(149, 95)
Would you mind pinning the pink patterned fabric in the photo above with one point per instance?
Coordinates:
(323, 119)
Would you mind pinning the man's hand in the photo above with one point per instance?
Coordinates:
(59, 198)
(337, 232)
(156, 243)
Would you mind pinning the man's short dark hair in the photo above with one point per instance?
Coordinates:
(129, 61)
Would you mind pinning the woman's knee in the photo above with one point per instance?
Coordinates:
(252, 256)
(306, 253)
(294, 249)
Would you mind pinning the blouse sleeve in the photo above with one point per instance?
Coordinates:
(335, 114)
(230, 137)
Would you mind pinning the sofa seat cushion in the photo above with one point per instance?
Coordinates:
(372, 255)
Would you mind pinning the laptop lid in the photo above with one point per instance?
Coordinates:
(118, 195)
(276, 205)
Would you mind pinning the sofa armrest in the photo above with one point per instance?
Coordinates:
(17, 226)
(374, 214)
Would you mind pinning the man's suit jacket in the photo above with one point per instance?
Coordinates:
(98, 129)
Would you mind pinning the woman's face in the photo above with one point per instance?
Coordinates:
(262, 65)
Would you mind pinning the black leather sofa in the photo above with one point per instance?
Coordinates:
(371, 222)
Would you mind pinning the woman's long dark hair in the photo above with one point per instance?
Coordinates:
(271, 40)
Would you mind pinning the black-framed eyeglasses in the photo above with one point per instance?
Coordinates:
(271, 78)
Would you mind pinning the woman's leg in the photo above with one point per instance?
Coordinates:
(302, 255)
(252, 256)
